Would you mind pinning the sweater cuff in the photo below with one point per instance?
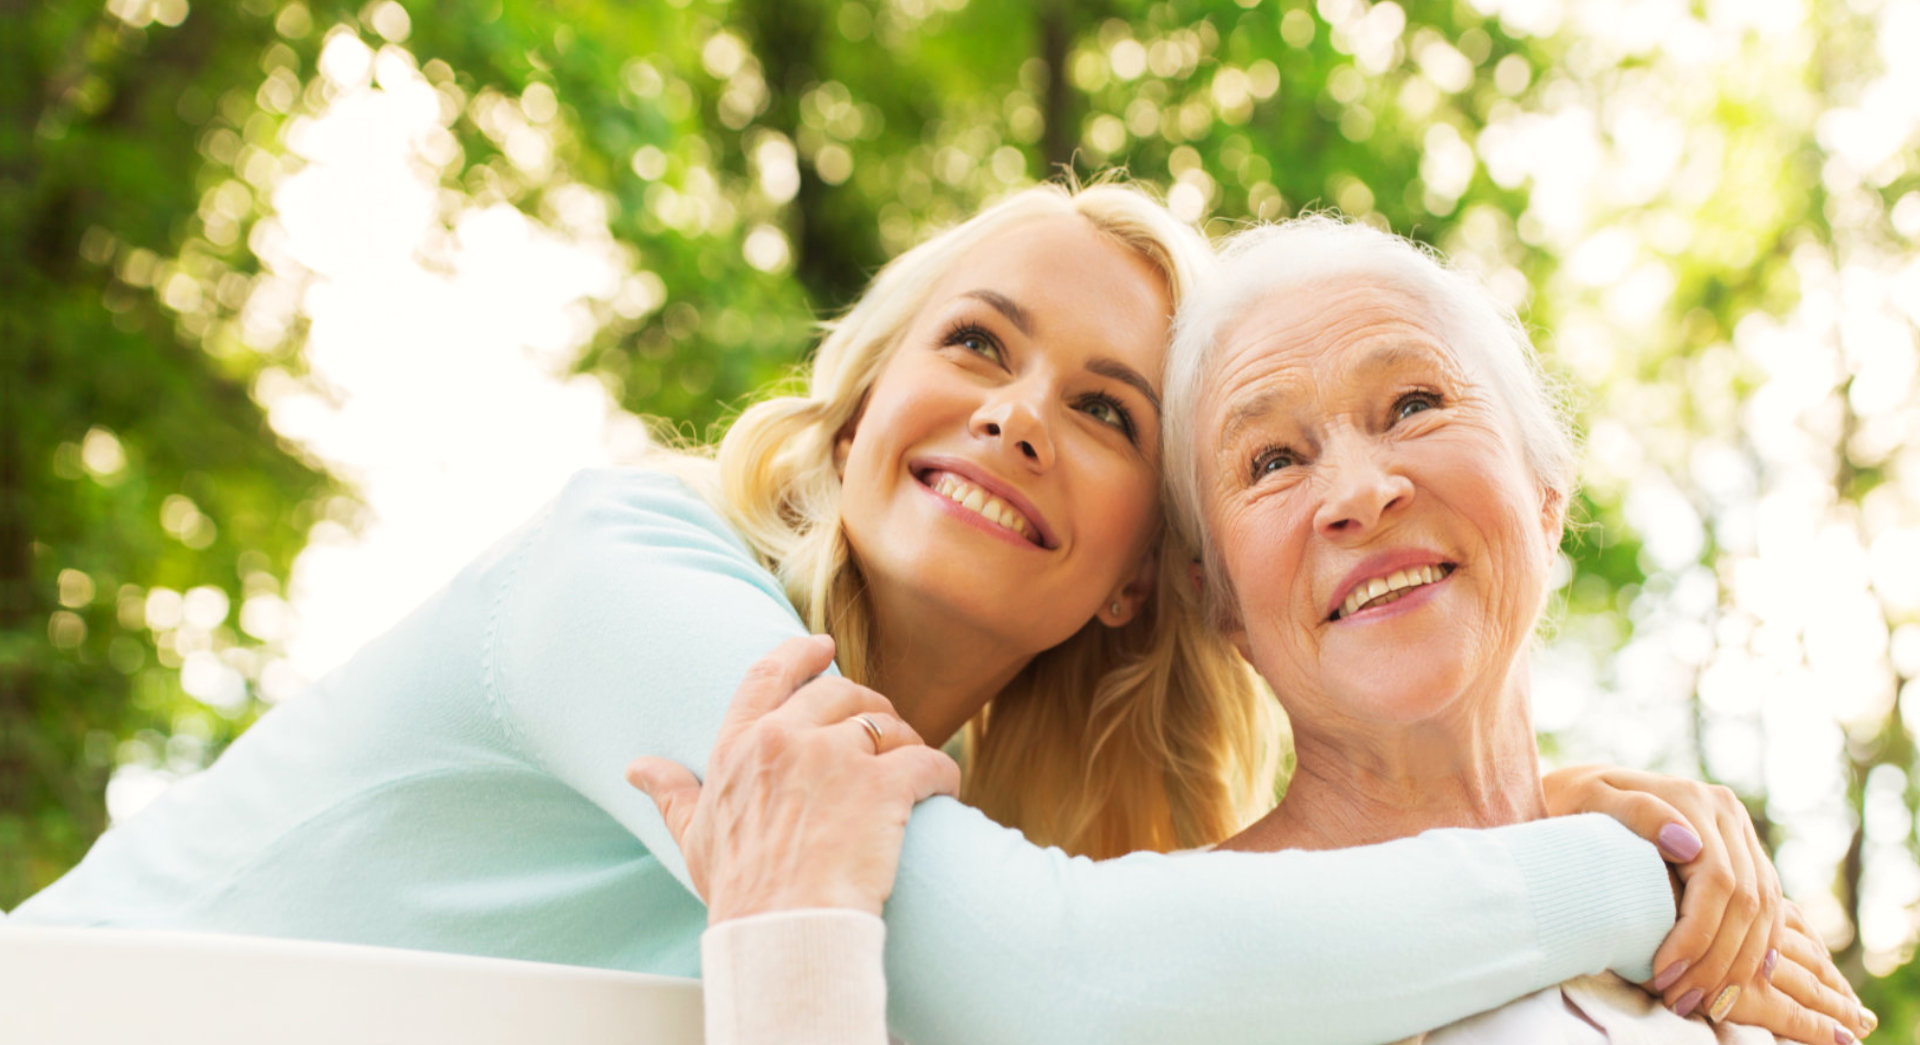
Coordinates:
(807, 977)
(1593, 877)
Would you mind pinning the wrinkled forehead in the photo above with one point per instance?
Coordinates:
(1315, 332)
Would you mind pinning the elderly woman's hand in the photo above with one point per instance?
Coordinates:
(1805, 999)
(1734, 925)
(804, 804)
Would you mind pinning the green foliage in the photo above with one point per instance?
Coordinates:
(757, 160)
(131, 456)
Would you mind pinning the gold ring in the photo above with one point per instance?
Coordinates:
(873, 728)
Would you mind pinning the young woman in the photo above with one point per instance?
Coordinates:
(966, 500)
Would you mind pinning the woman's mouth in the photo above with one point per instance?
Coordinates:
(1397, 585)
(977, 500)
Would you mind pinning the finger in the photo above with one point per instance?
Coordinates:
(1704, 914)
(1625, 796)
(928, 771)
(1776, 1011)
(1774, 897)
(895, 733)
(1737, 950)
(825, 701)
(1795, 981)
(1807, 956)
(1703, 896)
(672, 787)
(775, 677)
(1758, 900)
(1809, 951)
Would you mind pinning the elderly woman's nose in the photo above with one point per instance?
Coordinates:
(1360, 488)
(1014, 418)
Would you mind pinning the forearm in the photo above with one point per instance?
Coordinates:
(993, 940)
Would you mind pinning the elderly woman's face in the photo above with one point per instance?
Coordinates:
(1386, 544)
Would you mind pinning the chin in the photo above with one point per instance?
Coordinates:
(1397, 696)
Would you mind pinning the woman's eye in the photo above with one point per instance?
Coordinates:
(1108, 411)
(1413, 403)
(1271, 460)
(975, 340)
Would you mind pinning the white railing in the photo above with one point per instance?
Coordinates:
(110, 986)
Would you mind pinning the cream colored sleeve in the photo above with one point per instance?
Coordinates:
(809, 977)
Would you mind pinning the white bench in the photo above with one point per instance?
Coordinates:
(108, 986)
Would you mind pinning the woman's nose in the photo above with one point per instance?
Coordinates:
(1016, 422)
(1361, 488)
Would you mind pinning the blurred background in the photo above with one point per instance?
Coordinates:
(306, 304)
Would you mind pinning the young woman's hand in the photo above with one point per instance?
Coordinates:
(1733, 929)
(807, 792)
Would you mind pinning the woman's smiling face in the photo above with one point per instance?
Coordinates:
(1387, 545)
(1002, 472)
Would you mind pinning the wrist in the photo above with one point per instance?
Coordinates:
(796, 897)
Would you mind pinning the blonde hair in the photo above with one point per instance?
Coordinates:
(1150, 736)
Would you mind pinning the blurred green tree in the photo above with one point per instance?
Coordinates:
(1677, 196)
(142, 498)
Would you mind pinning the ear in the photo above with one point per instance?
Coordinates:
(1233, 632)
(1553, 516)
(843, 439)
(1125, 602)
(842, 446)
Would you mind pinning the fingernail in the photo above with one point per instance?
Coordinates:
(1841, 1037)
(1679, 842)
(1688, 1002)
(1723, 1004)
(1773, 959)
(1670, 975)
(1869, 1020)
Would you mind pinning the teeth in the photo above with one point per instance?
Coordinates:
(983, 504)
(1394, 584)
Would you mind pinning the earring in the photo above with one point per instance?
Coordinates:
(1114, 608)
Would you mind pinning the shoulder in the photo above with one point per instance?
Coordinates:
(614, 498)
(612, 534)
(608, 515)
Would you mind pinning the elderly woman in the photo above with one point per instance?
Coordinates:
(1366, 455)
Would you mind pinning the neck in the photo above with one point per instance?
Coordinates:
(1361, 784)
(937, 673)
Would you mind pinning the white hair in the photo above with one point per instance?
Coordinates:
(1316, 249)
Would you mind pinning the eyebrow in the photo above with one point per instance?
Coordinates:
(1125, 374)
(1395, 354)
(1006, 306)
(1259, 406)
(1246, 412)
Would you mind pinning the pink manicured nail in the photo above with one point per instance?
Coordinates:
(1670, 975)
(1688, 1002)
(1773, 959)
(1679, 842)
(1841, 1037)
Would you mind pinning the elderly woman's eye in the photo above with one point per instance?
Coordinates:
(1273, 459)
(1413, 403)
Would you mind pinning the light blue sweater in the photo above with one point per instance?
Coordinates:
(457, 786)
